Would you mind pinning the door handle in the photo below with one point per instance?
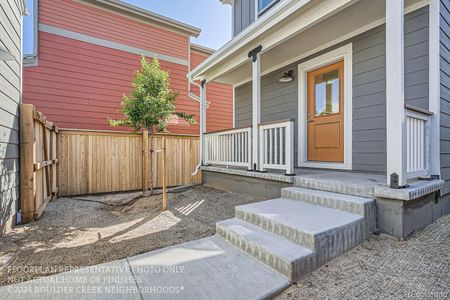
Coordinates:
(310, 121)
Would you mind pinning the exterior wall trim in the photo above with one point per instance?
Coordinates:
(109, 44)
(435, 86)
(348, 36)
(345, 53)
(201, 48)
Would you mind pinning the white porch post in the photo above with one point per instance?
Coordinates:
(256, 106)
(203, 104)
(434, 86)
(395, 93)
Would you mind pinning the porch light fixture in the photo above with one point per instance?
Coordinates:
(5, 55)
(287, 76)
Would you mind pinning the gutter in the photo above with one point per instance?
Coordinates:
(148, 15)
(203, 108)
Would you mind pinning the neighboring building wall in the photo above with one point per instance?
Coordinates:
(445, 93)
(10, 97)
(87, 58)
(80, 85)
(280, 100)
(219, 114)
(244, 14)
(82, 18)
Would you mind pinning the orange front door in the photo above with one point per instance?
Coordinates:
(326, 114)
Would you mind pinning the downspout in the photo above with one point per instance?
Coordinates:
(202, 120)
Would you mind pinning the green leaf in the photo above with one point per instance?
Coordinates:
(151, 102)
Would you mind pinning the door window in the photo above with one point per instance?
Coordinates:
(327, 93)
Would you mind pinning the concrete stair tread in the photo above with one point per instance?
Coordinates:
(337, 196)
(308, 218)
(275, 244)
(352, 185)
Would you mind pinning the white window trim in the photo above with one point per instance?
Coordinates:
(257, 12)
(343, 53)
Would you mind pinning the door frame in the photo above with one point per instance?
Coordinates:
(344, 53)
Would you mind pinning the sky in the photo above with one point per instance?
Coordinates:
(211, 16)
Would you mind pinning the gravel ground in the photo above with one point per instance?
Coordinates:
(385, 268)
(83, 232)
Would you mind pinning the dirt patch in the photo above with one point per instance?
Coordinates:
(385, 268)
(87, 231)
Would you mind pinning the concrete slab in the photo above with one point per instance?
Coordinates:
(415, 190)
(107, 281)
(209, 268)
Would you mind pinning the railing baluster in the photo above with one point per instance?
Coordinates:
(245, 143)
(282, 155)
(276, 145)
(270, 146)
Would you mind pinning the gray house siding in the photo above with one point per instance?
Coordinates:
(244, 14)
(445, 92)
(10, 83)
(280, 100)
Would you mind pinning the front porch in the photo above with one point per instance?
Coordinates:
(278, 152)
(375, 124)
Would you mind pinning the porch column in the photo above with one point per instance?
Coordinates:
(256, 105)
(203, 104)
(395, 94)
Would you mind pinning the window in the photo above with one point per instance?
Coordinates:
(327, 93)
(265, 5)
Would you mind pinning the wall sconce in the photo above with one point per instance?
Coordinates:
(287, 76)
(5, 55)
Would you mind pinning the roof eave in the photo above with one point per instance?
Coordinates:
(151, 16)
(202, 48)
(236, 43)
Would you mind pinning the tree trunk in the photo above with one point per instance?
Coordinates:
(151, 161)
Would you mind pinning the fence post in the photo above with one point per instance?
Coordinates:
(164, 182)
(27, 163)
(145, 161)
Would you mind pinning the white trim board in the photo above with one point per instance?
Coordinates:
(435, 86)
(109, 44)
(343, 53)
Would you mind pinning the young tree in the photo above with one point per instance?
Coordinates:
(150, 104)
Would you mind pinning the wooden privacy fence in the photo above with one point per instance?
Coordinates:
(105, 161)
(38, 162)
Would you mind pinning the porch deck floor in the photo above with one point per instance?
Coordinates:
(373, 184)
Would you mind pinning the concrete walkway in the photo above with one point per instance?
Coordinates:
(208, 268)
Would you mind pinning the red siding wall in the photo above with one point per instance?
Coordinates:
(92, 21)
(220, 112)
(80, 85)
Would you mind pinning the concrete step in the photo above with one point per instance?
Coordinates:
(331, 184)
(329, 232)
(283, 255)
(353, 204)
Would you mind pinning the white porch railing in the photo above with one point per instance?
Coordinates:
(417, 142)
(276, 146)
(229, 147)
(234, 147)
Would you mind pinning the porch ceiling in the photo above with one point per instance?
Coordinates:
(340, 23)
